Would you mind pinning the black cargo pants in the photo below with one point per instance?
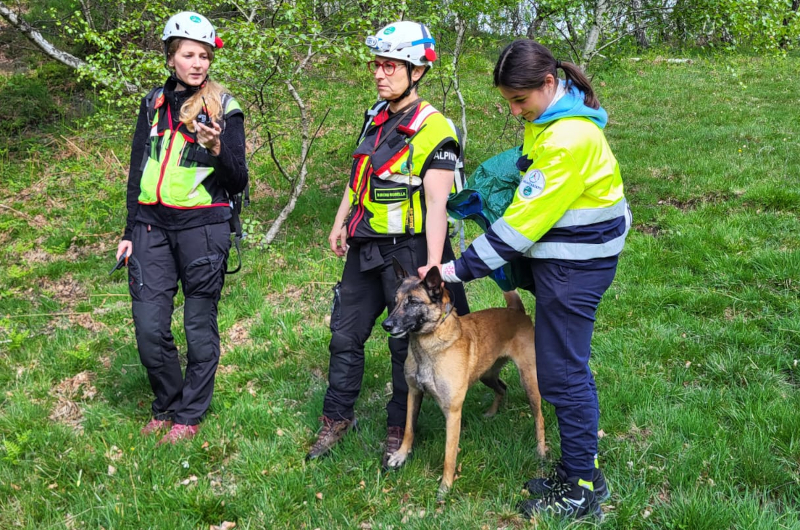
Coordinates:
(197, 257)
(368, 287)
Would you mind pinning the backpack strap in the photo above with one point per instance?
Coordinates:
(369, 114)
(460, 177)
(239, 200)
(150, 101)
(460, 181)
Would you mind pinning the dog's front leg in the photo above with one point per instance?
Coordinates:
(451, 449)
(399, 457)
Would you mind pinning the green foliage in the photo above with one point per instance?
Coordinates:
(16, 448)
(694, 353)
(27, 102)
(12, 334)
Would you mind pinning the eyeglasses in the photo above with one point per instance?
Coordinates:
(388, 67)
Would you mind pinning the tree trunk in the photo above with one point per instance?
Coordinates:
(535, 26)
(639, 31)
(592, 38)
(307, 141)
(461, 27)
(785, 41)
(51, 51)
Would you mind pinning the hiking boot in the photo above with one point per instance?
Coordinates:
(568, 498)
(542, 486)
(155, 426)
(394, 439)
(179, 432)
(332, 431)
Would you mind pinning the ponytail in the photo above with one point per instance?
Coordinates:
(575, 76)
(524, 65)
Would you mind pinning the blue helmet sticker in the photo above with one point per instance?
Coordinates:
(195, 19)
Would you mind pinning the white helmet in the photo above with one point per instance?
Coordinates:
(190, 25)
(406, 41)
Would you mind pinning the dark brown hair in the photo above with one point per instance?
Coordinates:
(524, 65)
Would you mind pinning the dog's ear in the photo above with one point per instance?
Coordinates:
(399, 271)
(433, 283)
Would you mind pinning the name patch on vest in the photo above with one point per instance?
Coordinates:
(389, 195)
(532, 184)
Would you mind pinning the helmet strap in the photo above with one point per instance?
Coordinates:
(190, 89)
(411, 84)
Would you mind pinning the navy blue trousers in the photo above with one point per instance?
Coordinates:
(567, 295)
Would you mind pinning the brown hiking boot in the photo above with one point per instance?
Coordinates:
(394, 440)
(332, 431)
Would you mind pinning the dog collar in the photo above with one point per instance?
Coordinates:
(447, 309)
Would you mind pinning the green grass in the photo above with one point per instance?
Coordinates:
(695, 352)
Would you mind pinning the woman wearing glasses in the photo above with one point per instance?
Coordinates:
(393, 208)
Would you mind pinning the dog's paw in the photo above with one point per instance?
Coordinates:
(442, 493)
(397, 459)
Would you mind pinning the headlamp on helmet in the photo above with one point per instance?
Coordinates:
(406, 41)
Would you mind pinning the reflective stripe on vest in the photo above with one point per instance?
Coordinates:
(169, 176)
(381, 196)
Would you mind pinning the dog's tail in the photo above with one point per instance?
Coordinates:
(513, 301)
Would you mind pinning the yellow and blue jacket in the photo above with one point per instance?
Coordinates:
(569, 204)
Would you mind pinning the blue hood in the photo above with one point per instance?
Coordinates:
(572, 105)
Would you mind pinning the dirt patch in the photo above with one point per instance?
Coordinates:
(693, 202)
(99, 248)
(653, 231)
(259, 188)
(222, 482)
(64, 290)
(86, 321)
(71, 387)
(239, 333)
(66, 410)
(37, 256)
(635, 434)
(69, 413)
(226, 369)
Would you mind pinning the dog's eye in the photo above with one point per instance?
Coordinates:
(411, 301)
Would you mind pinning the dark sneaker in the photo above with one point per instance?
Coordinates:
(332, 431)
(394, 439)
(571, 498)
(542, 486)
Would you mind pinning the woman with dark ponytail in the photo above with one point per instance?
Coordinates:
(567, 222)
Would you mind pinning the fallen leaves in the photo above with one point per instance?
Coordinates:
(226, 525)
(191, 480)
(66, 410)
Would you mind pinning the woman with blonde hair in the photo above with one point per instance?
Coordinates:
(187, 161)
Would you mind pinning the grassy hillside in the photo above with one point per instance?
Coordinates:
(695, 354)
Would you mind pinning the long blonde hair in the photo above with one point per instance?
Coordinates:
(211, 92)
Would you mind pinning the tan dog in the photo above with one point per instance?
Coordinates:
(447, 353)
